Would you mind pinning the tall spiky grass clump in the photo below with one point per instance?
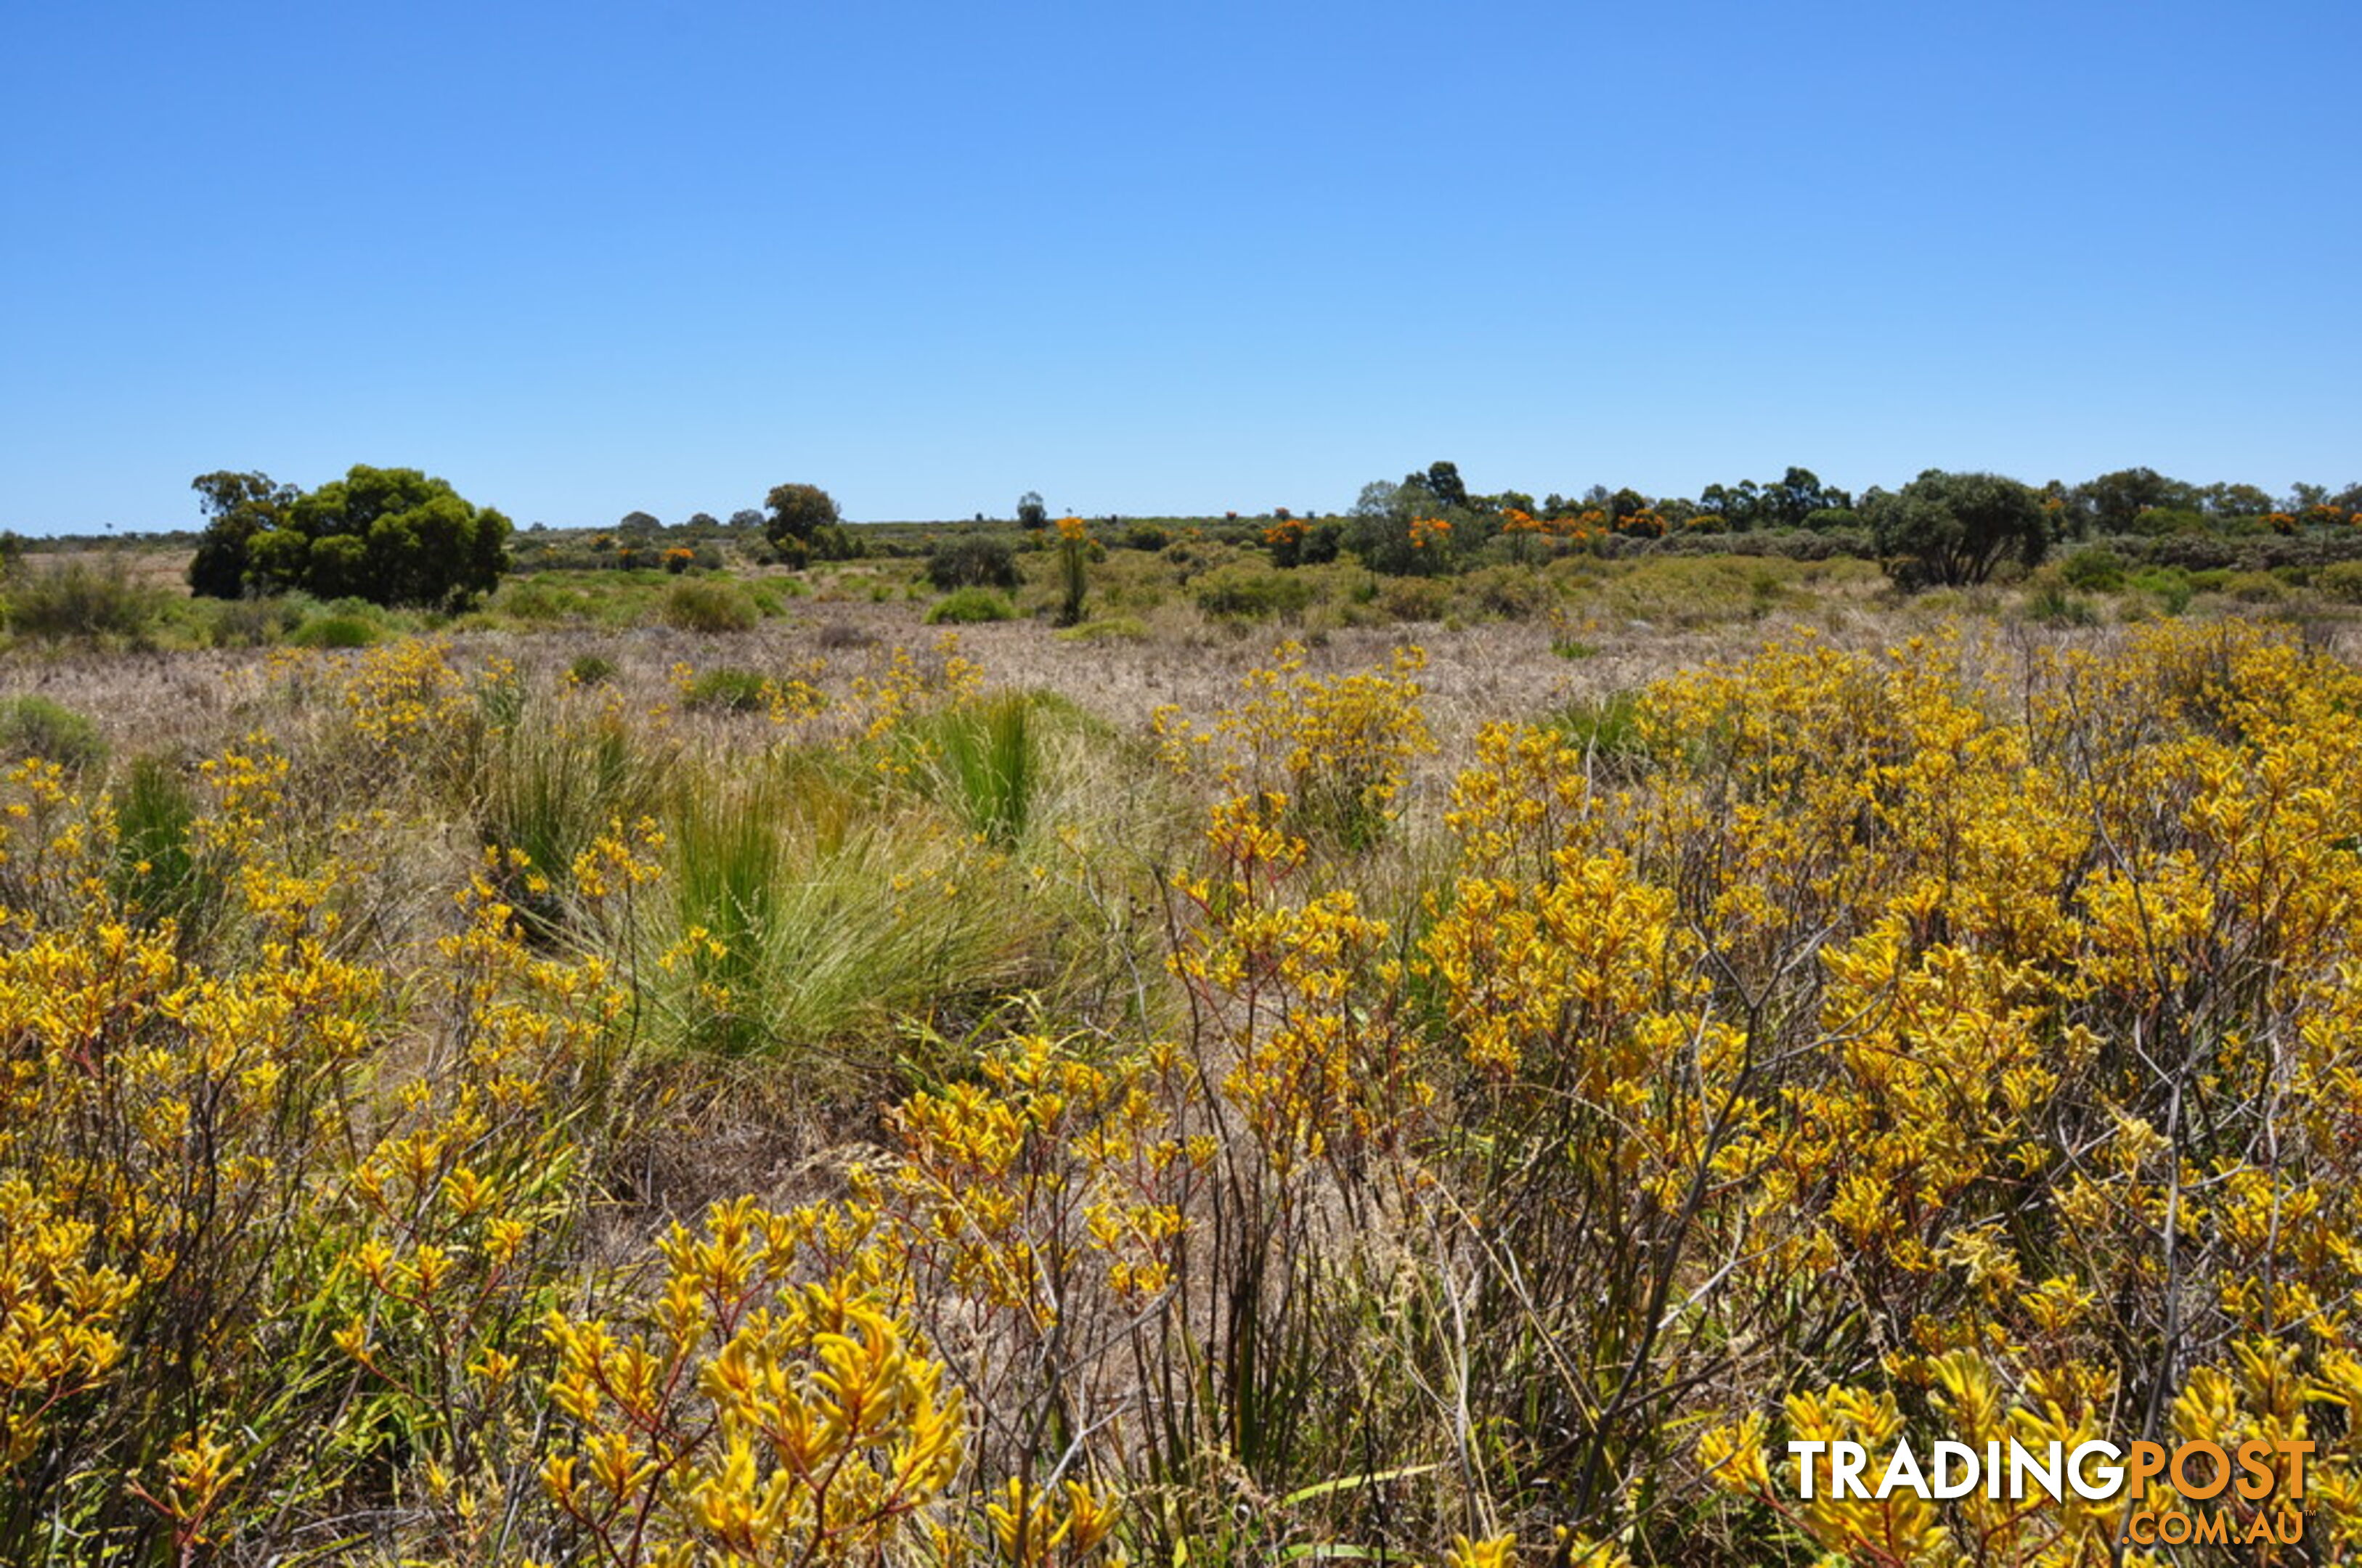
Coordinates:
(986, 766)
(546, 791)
(804, 918)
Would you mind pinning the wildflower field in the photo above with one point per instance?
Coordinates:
(1408, 1099)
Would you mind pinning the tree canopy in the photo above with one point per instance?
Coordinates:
(1954, 529)
(390, 536)
(802, 523)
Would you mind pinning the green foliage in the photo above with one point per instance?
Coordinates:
(709, 604)
(1511, 593)
(2162, 522)
(339, 630)
(1030, 511)
(727, 689)
(970, 606)
(1606, 731)
(37, 726)
(1954, 528)
(547, 790)
(2094, 568)
(2341, 580)
(388, 535)
(1074, 583)
(1243, 593)
(984, 760)
(803, 525)
(240, 505)
(2172, 586)
(2115, 502)
(822, 917)
(590, 670)
(84, 601)
(253, 622)
(1416, 599)
(1381, 536)
(2052, 605)
(2256, 587)
(972, 560)
(158, 875)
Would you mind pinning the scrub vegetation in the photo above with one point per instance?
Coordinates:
(1305, 1062)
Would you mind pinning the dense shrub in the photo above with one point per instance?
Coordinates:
(729, 691)
(1514, 593)
(82, 599)
(1954, 528)
(803, 526)
(339, 629)
(2093, 568)
(1241, 592)
(388, 535)
(1416, 599)
(37, 726)
(709, 604)
(253, 623)
(971, 560)
(2341, 581)
(966, 606)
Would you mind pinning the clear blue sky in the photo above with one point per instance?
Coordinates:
(586, 258)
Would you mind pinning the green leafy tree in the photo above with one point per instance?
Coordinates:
(2114, 500)
(392, 536)
(2236, 499)
(1030, 511)
(240, 506)
(1798, 494)
(1954, 529)
(1377, 529)
(803, 525)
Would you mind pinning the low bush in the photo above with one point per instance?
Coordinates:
(1511, 593)
(727, 689)
(709, 604)
(1606, 731)
(159, 874)
(2256, 587)
(2341, 581)
(2094, 568)
(336, 631)
(1416, 599)
(82, 600)
(2052, 605)
(1243, 592)
(37, 726)
(2171, 585)
(972, 561)
(253, 623)
(967, 606)
(1688, 591)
